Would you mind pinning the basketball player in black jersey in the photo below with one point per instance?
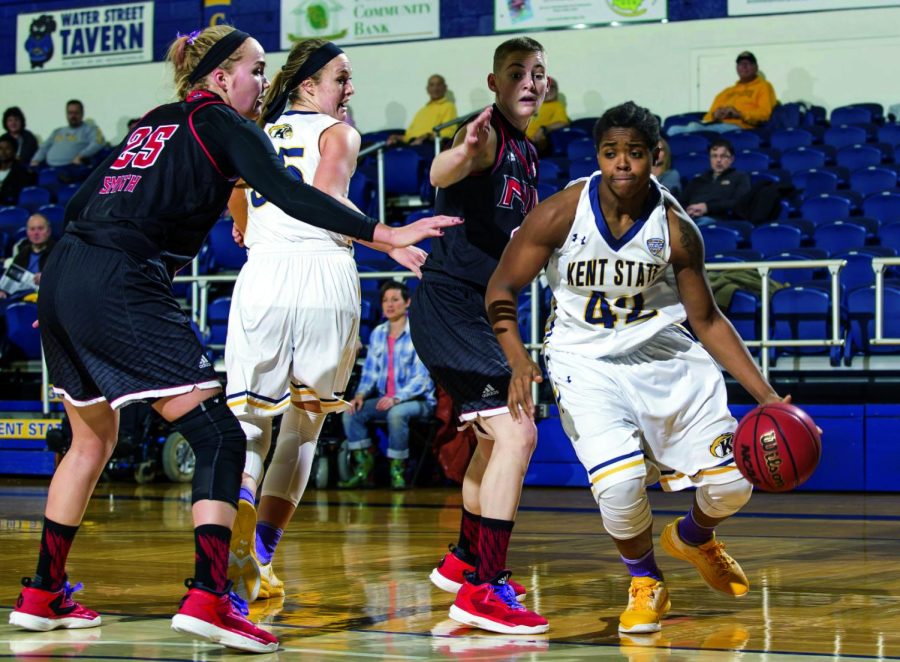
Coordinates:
(489, 178)
(113, 333)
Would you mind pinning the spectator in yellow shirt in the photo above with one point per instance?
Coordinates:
(745, 105)
(551, 116)
(438, 110)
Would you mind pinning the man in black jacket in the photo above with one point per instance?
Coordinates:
(32, 252)
(13, 175)
(712, 196)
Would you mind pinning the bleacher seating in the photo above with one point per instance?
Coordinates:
(34, 197)
(795, 159)
(775, 237)
(854, 157)
(839, 236)
(872, 179)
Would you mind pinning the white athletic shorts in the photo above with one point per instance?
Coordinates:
(658, 413)
(292, 330)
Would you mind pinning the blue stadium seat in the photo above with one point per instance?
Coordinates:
(872, 179)
(842, 136)
(582, 168)
(802, 158)
(545, 190)
(681, 119)
(581, 148)
(65, 194)
(839, 236)
(805, 226)
(743, 312)
(757, 176)
(585, 124)
(775, 237)
(883, 206)
(889, 134)
(362, 193)
(55, 214)
(744, 228)
(719, 239)
(749, 159)
(890, 236)
(47, 178)
(783, 139)
(551, 170)
(861, 322)
(561, 138)
(800, 275)
(742, 140)
(24, 339)
(403, 172)
(13, 218)
(217, 320)
(854, 157)
(825, 208)
(690, 165)
(815, 181)
(226, 255)
(858, 271)
(851, 114)
(802, 313)
(372, 258)
(685, 143)
(34, 197)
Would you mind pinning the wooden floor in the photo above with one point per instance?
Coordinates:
(825, 574)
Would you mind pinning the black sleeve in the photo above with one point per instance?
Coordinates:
(250, 152)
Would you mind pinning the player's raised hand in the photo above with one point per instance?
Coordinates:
(478, 131)
(433, 226)
(524, 373)
(411, 257)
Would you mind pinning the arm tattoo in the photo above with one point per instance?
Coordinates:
(502, 311)
(691, 243)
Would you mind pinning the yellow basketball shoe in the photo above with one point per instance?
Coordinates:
(243, 566)
(269, 585)
(648, 602)
(718, 569)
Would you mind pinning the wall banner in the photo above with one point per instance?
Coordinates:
(84, 37)
(359, 21)
(750, 7)
(521, 15)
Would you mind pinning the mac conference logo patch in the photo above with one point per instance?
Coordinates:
(655, 245)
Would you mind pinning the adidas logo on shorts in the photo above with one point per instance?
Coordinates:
(204, 362)
(489, 391)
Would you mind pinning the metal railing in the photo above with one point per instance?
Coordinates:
(200, 298)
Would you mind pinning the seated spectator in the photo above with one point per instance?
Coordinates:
(31, 253)
(745, 105)
(438, 110)
(14, 124)
(74, 144)
(395, 386)
(663, 171)
(714, 194)
(551, 116)
(13, 175)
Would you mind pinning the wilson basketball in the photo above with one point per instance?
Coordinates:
(777, 447)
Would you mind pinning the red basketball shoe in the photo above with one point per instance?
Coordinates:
(220, 618)
(493, 606)
(449, 575)
(39, 610)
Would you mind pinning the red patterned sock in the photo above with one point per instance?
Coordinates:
(211, 542)
(493, 542)
(56, 540)
(469, 529)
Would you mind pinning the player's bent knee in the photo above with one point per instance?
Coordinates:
(258, 431)
(219, 446)
(625, 509)
(725, 499)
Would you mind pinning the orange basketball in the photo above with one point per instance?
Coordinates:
(777, 447)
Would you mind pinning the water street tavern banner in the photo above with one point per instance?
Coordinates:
(359, 21)
(84, 37)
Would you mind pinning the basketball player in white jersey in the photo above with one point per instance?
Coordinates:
(294, 319)
(640, 400)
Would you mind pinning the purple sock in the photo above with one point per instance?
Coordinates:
(644, 566)
(267, 537)
(247, 495)
(692, 533)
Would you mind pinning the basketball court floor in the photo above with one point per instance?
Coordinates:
(824, 569)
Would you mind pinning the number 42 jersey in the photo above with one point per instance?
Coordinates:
(611, 295)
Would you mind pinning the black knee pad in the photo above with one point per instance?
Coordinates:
(219, 446)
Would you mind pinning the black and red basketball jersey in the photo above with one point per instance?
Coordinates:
(492, 203)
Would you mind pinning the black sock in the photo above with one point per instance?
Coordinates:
(469, 528)
(211, 542)
(56, 540)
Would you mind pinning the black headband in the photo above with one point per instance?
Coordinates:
(316, 60)
(217, 54)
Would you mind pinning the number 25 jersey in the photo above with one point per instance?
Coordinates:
(611, 295)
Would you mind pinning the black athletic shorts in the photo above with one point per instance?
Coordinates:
(451, 333)
(112, 330)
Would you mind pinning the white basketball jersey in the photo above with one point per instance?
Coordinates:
(611, 295)
(295, 137)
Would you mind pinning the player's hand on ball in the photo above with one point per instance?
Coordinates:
(524, 373)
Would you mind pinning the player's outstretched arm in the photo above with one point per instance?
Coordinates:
(543, 231)
(473, 150)
(711, 326)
